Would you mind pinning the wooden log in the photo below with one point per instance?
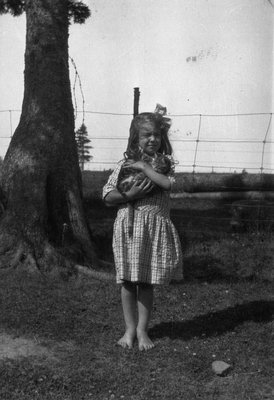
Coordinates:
(252, 194)
(223, 182)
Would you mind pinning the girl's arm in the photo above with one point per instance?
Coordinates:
(160, 180)
(136, 192)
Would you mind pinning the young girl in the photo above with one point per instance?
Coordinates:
(152, 254)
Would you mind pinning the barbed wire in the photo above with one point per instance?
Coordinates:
(77, 78)
(109, 113)
(170, 115)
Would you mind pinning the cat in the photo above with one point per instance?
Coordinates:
(129, 176)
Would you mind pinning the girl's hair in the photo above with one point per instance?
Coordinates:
(161, 123)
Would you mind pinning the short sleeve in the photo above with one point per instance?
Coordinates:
(112, 180)
(171, 173)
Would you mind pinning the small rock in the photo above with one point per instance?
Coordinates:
(221, 368)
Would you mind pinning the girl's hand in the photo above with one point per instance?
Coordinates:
(138, 165)
(140, 190)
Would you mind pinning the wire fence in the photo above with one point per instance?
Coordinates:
(201, 142)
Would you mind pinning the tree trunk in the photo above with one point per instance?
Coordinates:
(41, 179)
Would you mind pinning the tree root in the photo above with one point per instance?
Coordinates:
(46, 260)
(51, 263)
(2, 208)
(11, 251)
(42, 257)
(31, 263)
(98, 275)
(17, 256)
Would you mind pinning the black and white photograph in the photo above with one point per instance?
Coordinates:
(136, 200)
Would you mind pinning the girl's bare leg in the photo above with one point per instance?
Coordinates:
(145, 304)
(129, 298)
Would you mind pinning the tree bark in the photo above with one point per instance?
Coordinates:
(41, 179)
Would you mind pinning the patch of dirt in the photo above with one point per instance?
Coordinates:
(15, 347)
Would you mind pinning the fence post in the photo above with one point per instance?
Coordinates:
(197, 144)
(136, 102)
(264, 142)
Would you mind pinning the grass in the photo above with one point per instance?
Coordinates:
(223, 310)
(193, 324)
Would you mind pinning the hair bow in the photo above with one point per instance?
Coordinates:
(160, 109)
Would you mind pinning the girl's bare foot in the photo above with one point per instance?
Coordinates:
(145, 343)
(127, 340)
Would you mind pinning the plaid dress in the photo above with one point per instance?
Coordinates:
(153, 253)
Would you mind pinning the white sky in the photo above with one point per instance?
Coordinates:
(193, 56)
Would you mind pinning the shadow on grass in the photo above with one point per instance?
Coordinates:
(211, 269)
(216, 323)
(204, 269)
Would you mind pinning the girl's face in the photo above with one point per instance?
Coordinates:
(149, 138)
